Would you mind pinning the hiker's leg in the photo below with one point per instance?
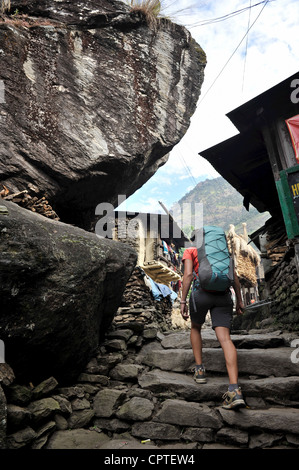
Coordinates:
(196, 342)
(230, 353)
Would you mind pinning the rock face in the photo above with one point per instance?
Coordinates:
(94, 100)
(3, 419)
(60, 288)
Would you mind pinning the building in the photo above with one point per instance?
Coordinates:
(157, 239)
(261, 162)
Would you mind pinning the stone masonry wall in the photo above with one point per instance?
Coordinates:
(284, 291)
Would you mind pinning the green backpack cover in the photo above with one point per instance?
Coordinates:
(216, 270)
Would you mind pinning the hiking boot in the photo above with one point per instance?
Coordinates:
(233, 400)
(200, 375)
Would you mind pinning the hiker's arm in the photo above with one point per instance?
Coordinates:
(187, 280)
(237, 289)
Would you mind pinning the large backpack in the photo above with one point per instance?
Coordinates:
(216, 270)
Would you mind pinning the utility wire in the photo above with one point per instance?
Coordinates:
(213, 83)
(246, 47)
(186, 166)
(226, 17)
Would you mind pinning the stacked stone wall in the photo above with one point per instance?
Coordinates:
(284, 292)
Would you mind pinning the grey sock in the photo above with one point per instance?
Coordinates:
(232, 387)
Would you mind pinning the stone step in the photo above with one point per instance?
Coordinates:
(259, 362)
(272, 419)
(181, 340)
(184, 386)
(193, 421)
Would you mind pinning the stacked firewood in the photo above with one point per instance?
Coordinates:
(29, 200)
(276, 243)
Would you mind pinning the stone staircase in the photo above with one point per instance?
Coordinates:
(138, 392)
(269, 377)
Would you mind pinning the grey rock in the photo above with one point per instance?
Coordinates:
(80, 404)
(109, 360)
(154, 430)
(64, 404)
(7, 375)
(263, 362)
(125, 371)
(72, 391)
(67, 285)
(261, 340)
(72, 14)
(178, 360)
(116, 344)
(139, 392)
(284, 387)
(106, 401)
(44, 388)
(124, 444)
(191, 414)
(199, 434)
(17, 417)
(159, 381)
(183, 385)
(19, 394)
(134, 340)
(181, 445)
(124, 334)
(98, 112)
(93, 367)
(3, 419)
(39, 442)
(272, 419)
(181, 340)
(136, 409)
(292, 439)
(80, 419)
(61, 422)
(93, 378)
(232, 436)
(263, 440)
(150, 333)
(45, 429)
(21, 438)
(114, 424)
(43, 408)
(76, 439)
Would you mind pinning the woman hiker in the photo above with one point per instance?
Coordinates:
(220, 306)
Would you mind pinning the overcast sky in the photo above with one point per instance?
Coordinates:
(267, 55)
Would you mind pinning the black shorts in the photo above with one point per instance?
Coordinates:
(220, 306)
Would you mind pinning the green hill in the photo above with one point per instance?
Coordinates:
(222, 206)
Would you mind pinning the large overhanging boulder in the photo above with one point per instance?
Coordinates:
(60, 288)
(94, 100)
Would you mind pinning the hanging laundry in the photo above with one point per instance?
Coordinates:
(165, 246)
(160, 290)
(157, 294)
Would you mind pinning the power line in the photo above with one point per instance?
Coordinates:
(226, 17)
(246, 47)
(213, 83)
(187, 167)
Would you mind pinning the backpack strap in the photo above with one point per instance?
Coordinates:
(196, 278)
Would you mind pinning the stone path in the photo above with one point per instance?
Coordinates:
(139, 392)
